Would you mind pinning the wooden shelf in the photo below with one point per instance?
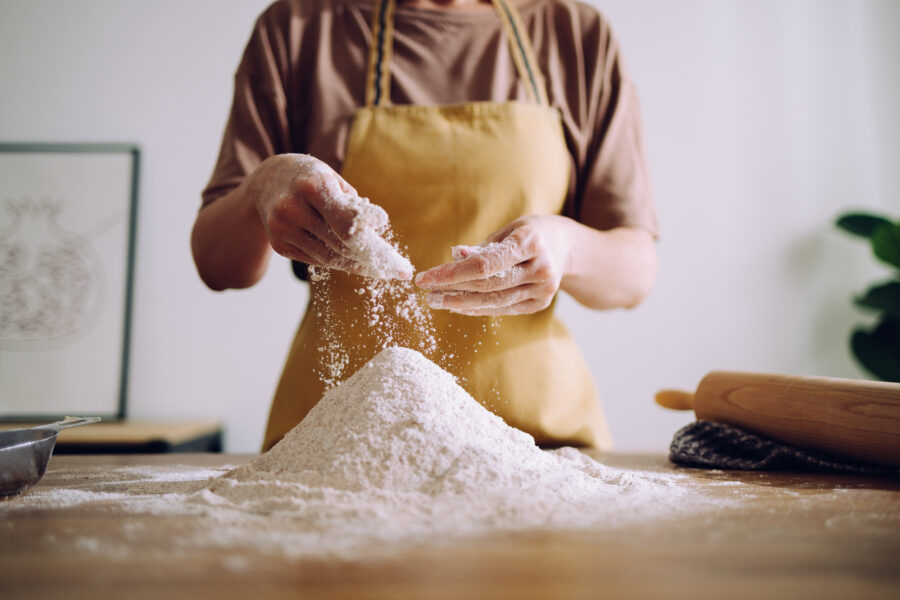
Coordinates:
(136, 437)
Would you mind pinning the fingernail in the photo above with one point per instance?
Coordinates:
(435, 300)
(460, 252)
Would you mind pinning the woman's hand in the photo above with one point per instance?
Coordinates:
(311, 214)
(298, 206)
(517, 270)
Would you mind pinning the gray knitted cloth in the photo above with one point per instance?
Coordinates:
(711, 445)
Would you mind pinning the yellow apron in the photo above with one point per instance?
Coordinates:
(447, 175)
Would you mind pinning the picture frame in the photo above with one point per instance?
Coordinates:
(68, 214)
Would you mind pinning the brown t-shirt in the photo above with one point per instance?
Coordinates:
(302, 76)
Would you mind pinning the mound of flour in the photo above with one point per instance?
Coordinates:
(400, 452)
(401, 423)
(396, 455)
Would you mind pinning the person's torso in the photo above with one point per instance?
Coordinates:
(439, 57)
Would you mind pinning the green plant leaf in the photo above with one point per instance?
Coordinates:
(886, 243)
(885, 296)
(861, 224)
(878, 350)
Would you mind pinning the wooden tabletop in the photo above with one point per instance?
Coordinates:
(785, 536)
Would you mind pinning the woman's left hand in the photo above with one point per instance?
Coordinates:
(516, 271)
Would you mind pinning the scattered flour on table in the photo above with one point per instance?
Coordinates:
(397, 453)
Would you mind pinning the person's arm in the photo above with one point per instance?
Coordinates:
(297, 206)
(610, 269)
(519, 269)
(228, 242)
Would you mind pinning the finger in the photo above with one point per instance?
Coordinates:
(534, 270)
(512, 277)
(477, 300)
(526, 307)
(344, 211)
(491, 261)
(346, 187)
(292, 222)
(502, 234)
(309, 249)
(323, 192)
(461, 252)
(316, 224)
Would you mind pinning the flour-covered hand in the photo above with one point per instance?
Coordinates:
(517, 270)
(311, 214)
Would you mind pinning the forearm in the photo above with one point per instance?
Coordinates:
(229, 243)
(520, 268)
(608, 269)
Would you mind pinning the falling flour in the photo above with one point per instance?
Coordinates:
(393, 312)
(394, 309)
(396, 454)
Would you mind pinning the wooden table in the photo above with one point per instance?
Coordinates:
(791, 536)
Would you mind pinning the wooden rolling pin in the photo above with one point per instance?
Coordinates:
(843, 417)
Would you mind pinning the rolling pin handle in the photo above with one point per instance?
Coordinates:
(675, 399)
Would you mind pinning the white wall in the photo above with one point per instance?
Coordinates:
(764, 120)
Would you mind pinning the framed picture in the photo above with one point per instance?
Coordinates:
(67, 227)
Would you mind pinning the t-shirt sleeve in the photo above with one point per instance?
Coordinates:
(258, 124)
(615, 188)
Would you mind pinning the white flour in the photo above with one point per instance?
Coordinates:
(396, 454)
(386, 282)
(370, 246)
(369, 241)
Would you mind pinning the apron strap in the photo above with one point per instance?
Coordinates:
(378, 72)
(522, 52)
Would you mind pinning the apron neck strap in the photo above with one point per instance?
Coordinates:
(378, 72)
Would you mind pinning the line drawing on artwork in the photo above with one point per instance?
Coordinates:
(51, 279)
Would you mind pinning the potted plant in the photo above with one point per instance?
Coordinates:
(878, 349)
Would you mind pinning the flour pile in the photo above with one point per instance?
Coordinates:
(403, 425)
(399, 452)
(396, 454)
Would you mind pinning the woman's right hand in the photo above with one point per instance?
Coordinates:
(311, 214)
